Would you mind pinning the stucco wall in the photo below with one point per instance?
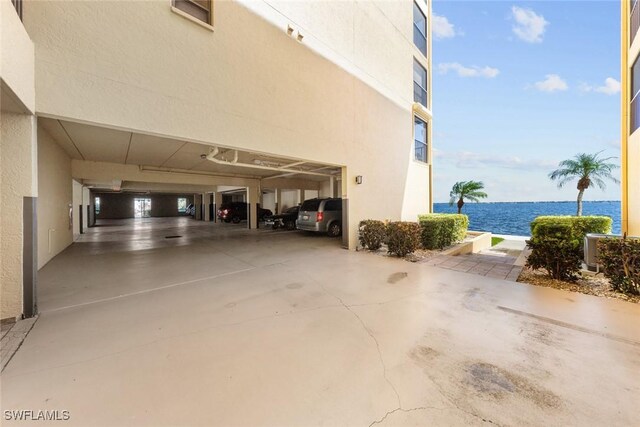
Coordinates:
(18, 148)
(269, 201)
(289, 198)
(121, 205)
(54, 196)
(341, 96)
(17, 58)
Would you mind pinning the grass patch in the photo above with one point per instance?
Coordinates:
(496, 240)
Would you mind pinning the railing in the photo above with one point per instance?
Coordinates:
(635, 21)
(18, 5)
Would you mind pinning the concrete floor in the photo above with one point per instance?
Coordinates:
(236, 327)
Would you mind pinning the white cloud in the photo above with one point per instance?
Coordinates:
(442, 28)
(551, 83)
(473, 71)
(469, 159)
(611, 87)
(529, 25)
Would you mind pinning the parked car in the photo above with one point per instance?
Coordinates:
(286, 219)
(321, 216)
(237, 211)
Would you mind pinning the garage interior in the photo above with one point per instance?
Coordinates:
(134, 192)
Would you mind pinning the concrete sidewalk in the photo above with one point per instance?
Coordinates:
(499, 261)
(322, 336)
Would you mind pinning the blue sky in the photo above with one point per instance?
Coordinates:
(519, 86)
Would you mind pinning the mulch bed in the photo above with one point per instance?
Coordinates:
(419, 255)
(596, 285)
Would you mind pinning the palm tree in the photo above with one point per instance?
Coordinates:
(469, 190)
(589, 169)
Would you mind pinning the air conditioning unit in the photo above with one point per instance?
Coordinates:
(591, 249)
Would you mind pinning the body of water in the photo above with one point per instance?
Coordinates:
(514, 218)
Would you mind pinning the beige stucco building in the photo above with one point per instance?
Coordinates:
(630, 138)
(284, 100)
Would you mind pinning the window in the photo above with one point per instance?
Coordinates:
(635, 96)
(199, 9)
(311, 205)
(419, 83)
(97, 205)
(333, 205)
(182, 205)
(420, 139)
(141, 208)
(419, 29)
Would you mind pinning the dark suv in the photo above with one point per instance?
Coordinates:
(237, 211)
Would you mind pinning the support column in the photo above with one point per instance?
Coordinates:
(76, 201)
(348, 240)
(332, 187)
(197, 203)
(300, 196)
(205, 206)
(217, 201)
(253, 196)
(211, 207)
(85, 208)
(278, 200)
(18, 227)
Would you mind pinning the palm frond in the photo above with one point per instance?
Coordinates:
(585, 166)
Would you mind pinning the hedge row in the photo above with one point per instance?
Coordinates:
(579, 225)
(442, 230)
(620, 259)
(557, 243)
(433, 231)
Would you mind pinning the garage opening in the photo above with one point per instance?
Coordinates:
(142, 208)
(145, 212)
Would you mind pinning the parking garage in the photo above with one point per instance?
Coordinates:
(136, 197)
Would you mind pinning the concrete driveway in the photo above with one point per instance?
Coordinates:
(226, 326)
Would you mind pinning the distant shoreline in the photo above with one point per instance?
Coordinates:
(538, 201)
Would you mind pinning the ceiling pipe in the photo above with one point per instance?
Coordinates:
(285, 169)
(293, 173)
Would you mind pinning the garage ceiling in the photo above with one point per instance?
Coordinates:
(86, 142)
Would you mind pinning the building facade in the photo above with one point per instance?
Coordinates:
(630, 138)
(284, 99)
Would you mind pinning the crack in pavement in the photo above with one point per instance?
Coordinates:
(419, 408)
(375, 340)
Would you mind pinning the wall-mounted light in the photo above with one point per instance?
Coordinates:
(359, 179)
(289, 30)
(300, 36)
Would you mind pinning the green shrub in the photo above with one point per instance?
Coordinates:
(373, 234)
(403, 237)
(620, 259)
(442, 230)
(555, 249)
(580, 225)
